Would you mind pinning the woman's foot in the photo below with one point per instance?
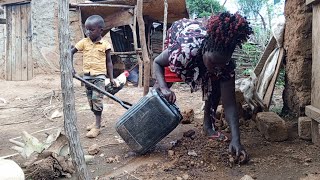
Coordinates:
(93, 133)
(215, 135)
(218, 136)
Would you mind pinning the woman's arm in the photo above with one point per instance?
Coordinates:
(231, 114)
(158, 67)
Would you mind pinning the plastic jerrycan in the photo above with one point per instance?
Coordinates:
(148, 122)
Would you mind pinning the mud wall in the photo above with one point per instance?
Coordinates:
(45, 41)
(298, 46)
(44, 32)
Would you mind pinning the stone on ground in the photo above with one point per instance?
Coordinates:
(272, 127)
(304, 128)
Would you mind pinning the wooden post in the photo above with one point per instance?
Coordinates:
(165, 21)
(135, 45)
(149, 45)
(69, 111)
(145, 56)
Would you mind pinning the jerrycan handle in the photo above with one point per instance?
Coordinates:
(157, 91)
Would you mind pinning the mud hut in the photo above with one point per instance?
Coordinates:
(31, 31)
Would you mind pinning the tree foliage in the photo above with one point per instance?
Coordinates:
(204, 8)
(251, 8)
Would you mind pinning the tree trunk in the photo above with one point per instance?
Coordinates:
(263, 21)
(145, 56)
(225, 1)
(165, 19)
(70, 118)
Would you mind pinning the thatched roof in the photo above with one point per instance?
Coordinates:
(154, 9)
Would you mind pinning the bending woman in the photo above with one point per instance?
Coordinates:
(199, 53)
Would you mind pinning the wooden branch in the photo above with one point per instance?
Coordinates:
(101, 5)
(165, 21)
(145, 56)
(19, 122)
(126, 53)
(124, 2)
(135, 45)
(269, 91)
(81, 26)
(5, 2)
(69, 111)
(270, 47)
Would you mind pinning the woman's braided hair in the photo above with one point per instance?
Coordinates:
(225, 31)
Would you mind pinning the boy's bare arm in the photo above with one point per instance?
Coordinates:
(73, 51)
(109, 65)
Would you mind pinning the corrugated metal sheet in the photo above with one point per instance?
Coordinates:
(122, 39)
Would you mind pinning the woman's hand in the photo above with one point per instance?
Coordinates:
(241, 156)
(168, 94)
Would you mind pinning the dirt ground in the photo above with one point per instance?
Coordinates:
(29, 106)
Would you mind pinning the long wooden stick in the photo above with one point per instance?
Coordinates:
(126, 53)
(135, 45)
(145, 56)
(165, 21)
(70, 118)
(124, 104)
(101, 5)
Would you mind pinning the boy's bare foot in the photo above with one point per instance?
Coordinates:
(91, 126)
(94, 132)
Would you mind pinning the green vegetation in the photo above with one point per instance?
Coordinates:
(203, 8)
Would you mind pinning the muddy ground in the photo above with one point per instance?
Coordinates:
(29, 106)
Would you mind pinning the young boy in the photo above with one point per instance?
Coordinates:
(96, 64)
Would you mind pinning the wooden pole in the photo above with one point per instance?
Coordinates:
(126, 53)
(165, 20)
(135, 45)
(69, 111)
(101, 5)
(145, 56)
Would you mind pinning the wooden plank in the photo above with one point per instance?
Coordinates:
(17, 44)
(29, 37)
(270, 47)
(80, 23)
(100, 5)
(315, 132)
(8, 43)
(312, 2)
(126, 53)
(315, 82)
(165, 21)
(145, 56)
(69, 112)
(313, 113)
(12, 44)
(5, 2)
(24, 43)
(268, 95)
(135, 45)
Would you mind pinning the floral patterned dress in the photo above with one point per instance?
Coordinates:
(184, 42)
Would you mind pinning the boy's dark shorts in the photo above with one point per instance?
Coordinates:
(95, 98)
